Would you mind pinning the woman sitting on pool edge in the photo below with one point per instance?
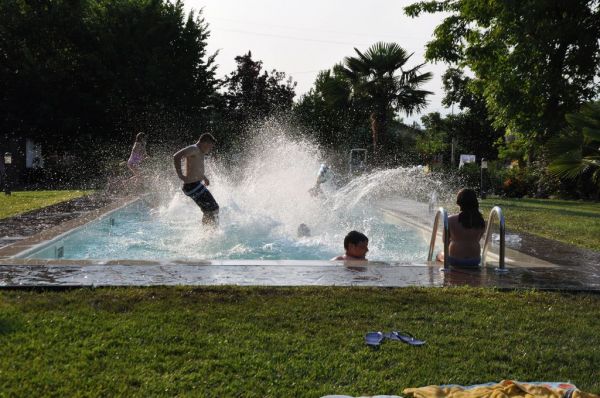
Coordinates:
(466, 229)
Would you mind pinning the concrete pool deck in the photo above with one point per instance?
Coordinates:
(525, 271)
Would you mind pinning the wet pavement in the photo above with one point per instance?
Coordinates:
(566, 267)
(19, 227)
(554, 251)
(281, 273)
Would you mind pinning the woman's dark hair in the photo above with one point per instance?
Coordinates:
(140, 137)
(469, 216)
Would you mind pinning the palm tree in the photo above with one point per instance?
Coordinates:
(577, 151)
(378, 77)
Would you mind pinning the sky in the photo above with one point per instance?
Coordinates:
(304, 37)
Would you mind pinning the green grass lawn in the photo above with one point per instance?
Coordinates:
(21, 202)
(573, 222)
(289, 342)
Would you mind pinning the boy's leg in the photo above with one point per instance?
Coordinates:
(209, 207)
(210, 218)
(204, 199)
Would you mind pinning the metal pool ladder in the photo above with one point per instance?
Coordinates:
(446, 236)
(498, 212)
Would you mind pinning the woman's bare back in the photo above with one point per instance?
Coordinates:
(464, 242)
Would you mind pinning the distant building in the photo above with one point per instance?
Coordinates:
(26, 157)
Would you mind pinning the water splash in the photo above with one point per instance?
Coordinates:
(264, 197)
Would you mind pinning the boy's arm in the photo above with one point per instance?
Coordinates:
(177, 161)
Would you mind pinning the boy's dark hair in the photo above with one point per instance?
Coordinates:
(355, 238)
(207, 137)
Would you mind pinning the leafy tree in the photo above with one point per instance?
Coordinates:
(329, 112)
(433, 141)
(577, 150)
(378, 78)
(253, 94)
(534, 60)
(80, 75)
(471, 127)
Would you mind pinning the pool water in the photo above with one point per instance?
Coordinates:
(137, 232)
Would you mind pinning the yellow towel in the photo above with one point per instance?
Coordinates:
(504, 389)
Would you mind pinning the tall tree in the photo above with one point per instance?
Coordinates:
(536, 60)
(337, 120)
(75, 72)
(378, 76)
(471, 128)
(253, 93)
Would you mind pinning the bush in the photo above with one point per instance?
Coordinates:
(519, 182)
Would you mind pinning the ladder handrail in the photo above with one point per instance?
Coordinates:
(446, 236)
(498, 211)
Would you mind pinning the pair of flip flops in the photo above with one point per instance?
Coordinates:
(374, 339)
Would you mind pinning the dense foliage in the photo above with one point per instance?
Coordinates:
(82, 77)
(82, 72)
(534, 60)
(251, 95)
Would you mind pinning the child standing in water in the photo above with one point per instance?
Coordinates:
(466, 229)
(138, 154)
(194, 176)
(323, 176)
(356, 245)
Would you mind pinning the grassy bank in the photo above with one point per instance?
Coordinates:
(21, 202)
(289, 342)
(573, 222)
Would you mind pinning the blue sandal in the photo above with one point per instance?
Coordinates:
(404, 337)
(373, 339)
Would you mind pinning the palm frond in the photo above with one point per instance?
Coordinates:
(565, 168)
(414, 80)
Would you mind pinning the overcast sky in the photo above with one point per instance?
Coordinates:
(303, 37)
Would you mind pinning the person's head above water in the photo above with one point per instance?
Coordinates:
(206, 142)
(356, 245)
(469, 216)
(303, 230)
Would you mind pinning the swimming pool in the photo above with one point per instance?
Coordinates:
(174, 233)
(263, 199)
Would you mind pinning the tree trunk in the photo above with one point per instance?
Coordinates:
(378, 126)
(374, 133)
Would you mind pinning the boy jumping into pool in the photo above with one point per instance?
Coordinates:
(356, 245)
(194, 176)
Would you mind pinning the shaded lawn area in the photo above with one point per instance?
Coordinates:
(289, 342)
(24, 201)
(574, 222)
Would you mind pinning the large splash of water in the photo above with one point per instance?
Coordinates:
(264, 197)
